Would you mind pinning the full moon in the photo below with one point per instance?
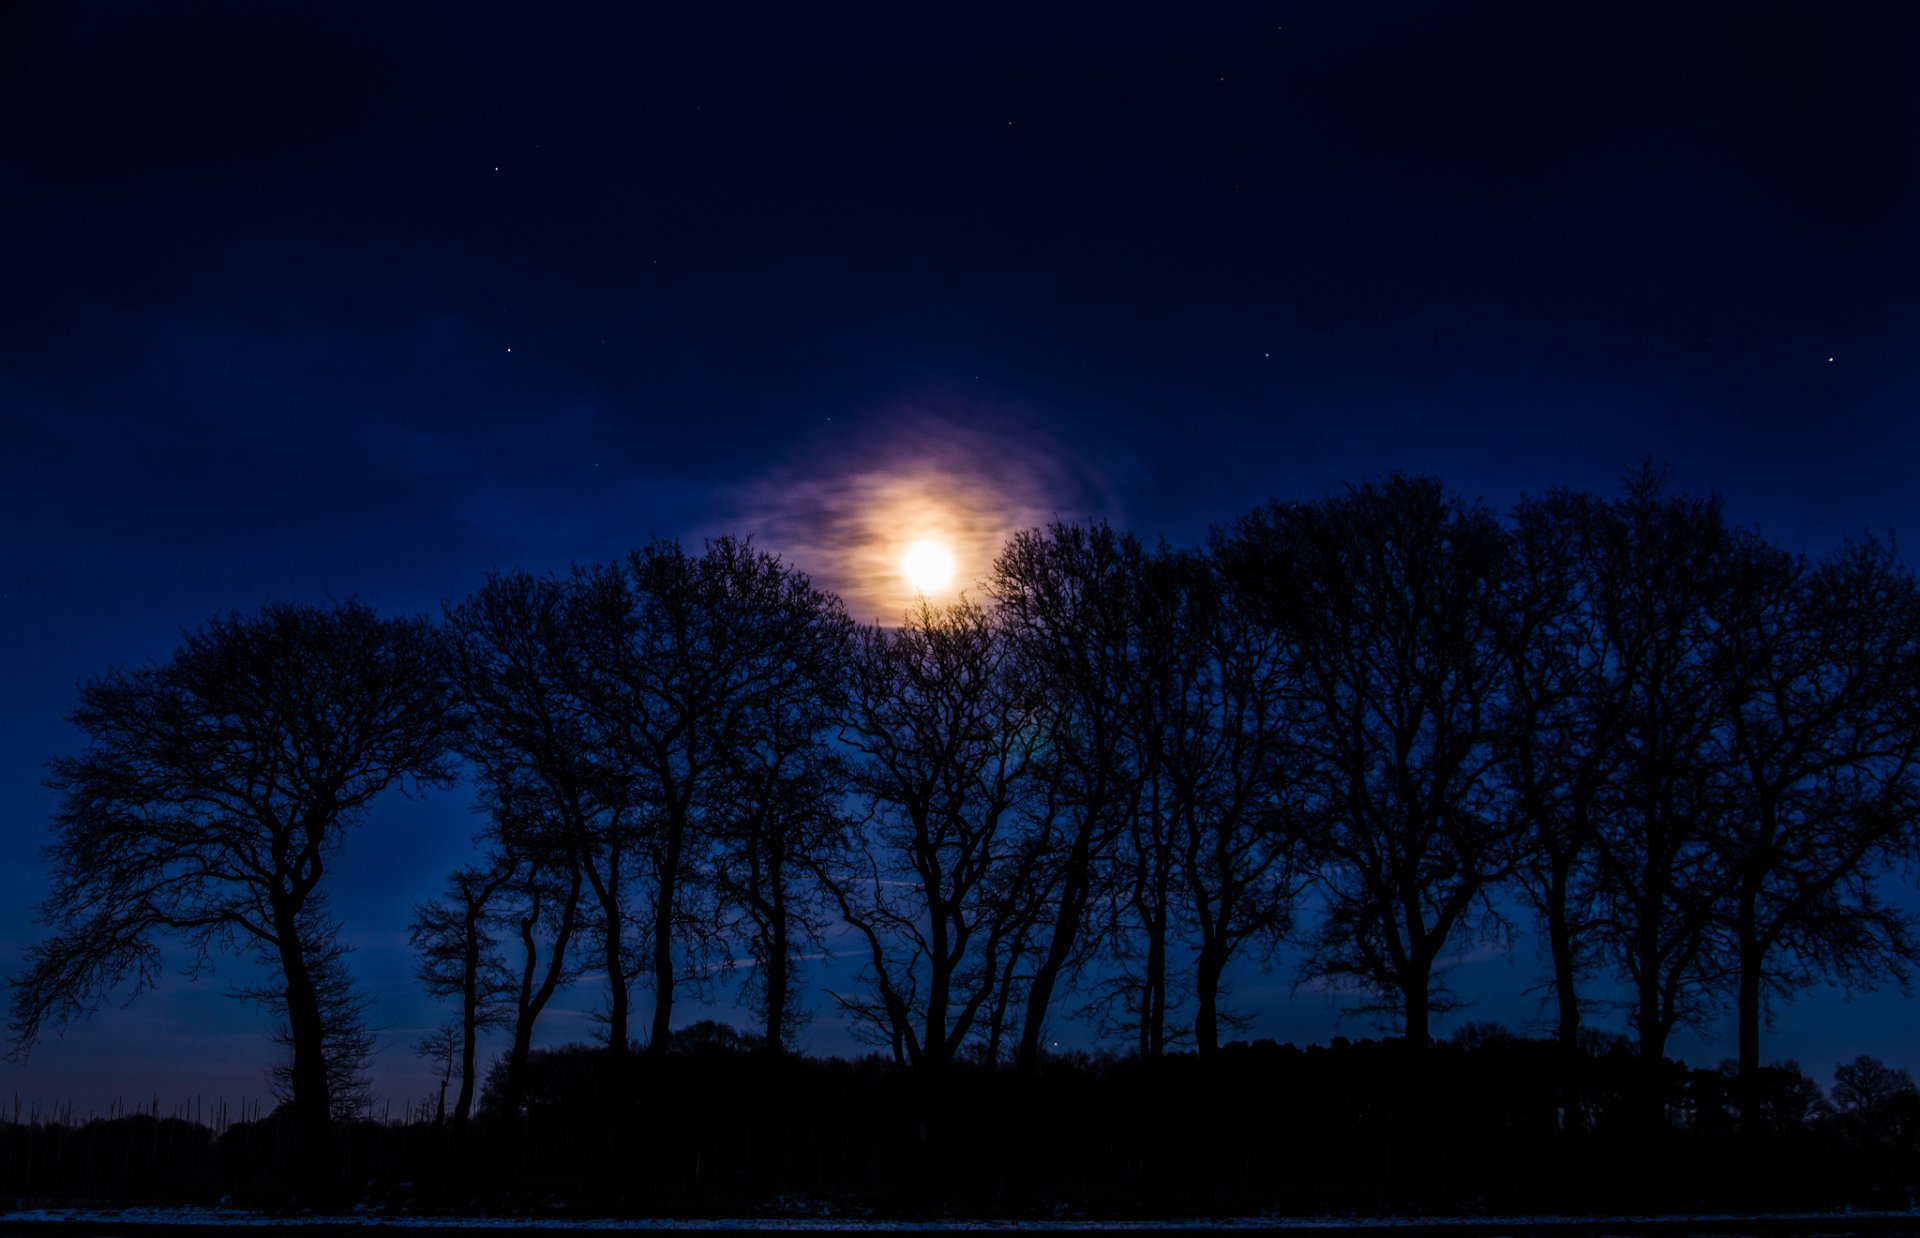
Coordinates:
(927, 565)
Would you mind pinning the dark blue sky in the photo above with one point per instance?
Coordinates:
(367, 299)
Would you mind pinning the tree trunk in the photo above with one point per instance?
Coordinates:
(1206, 1021)
(1066, 927)
(469, 1044)
(514, 1086)
(469, 1011)
(663, 918)
(777, 970)
(1649, 1102)
(1560, 945)
(778, 962)
(617, 999)
(1747, 998)
(1566, 997)
(532, 1000)
(1418, 1005)
(1156, 995)
(306, 1028)
(1748, 1002)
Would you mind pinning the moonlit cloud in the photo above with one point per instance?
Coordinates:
(849, 511)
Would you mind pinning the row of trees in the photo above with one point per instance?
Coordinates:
(1371, 724)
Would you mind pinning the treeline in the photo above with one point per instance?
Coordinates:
(716, 1128)
(1368, 725)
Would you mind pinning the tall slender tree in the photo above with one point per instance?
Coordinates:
(460, 958)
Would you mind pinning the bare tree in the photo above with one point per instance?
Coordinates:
(1232, 710)
(521, 671)
(540, 906)
(1658, 564)
(1389, 595)
(440, 1048)
(676, 650)
(1560, 732)
(214, 791)
(1064, 595)
(349, 1040)
(778, 782)
(940, 883)
(1817, 666)
(460, 958)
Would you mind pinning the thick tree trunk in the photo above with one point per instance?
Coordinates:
(1206, 1021)
(306, 1028)
(1418, 1008)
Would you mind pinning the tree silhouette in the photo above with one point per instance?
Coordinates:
(540, 905)
(1063, 594)
(522, 675)
(213, 792)
(1659, 564)
(777, 783)
(939, 883)
(460, 958)
(348, 1041)
(1560, 729)
(1817, 664)
(1234, 754)
(677, 651)
(1390, 595)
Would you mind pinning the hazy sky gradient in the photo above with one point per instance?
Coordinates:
(366, 300)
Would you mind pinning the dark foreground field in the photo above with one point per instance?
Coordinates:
(1493, 1127)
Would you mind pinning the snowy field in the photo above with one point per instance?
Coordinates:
(106, 1222)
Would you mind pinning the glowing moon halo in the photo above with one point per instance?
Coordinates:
(927, 565)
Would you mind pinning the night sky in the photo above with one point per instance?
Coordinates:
(366, 300)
